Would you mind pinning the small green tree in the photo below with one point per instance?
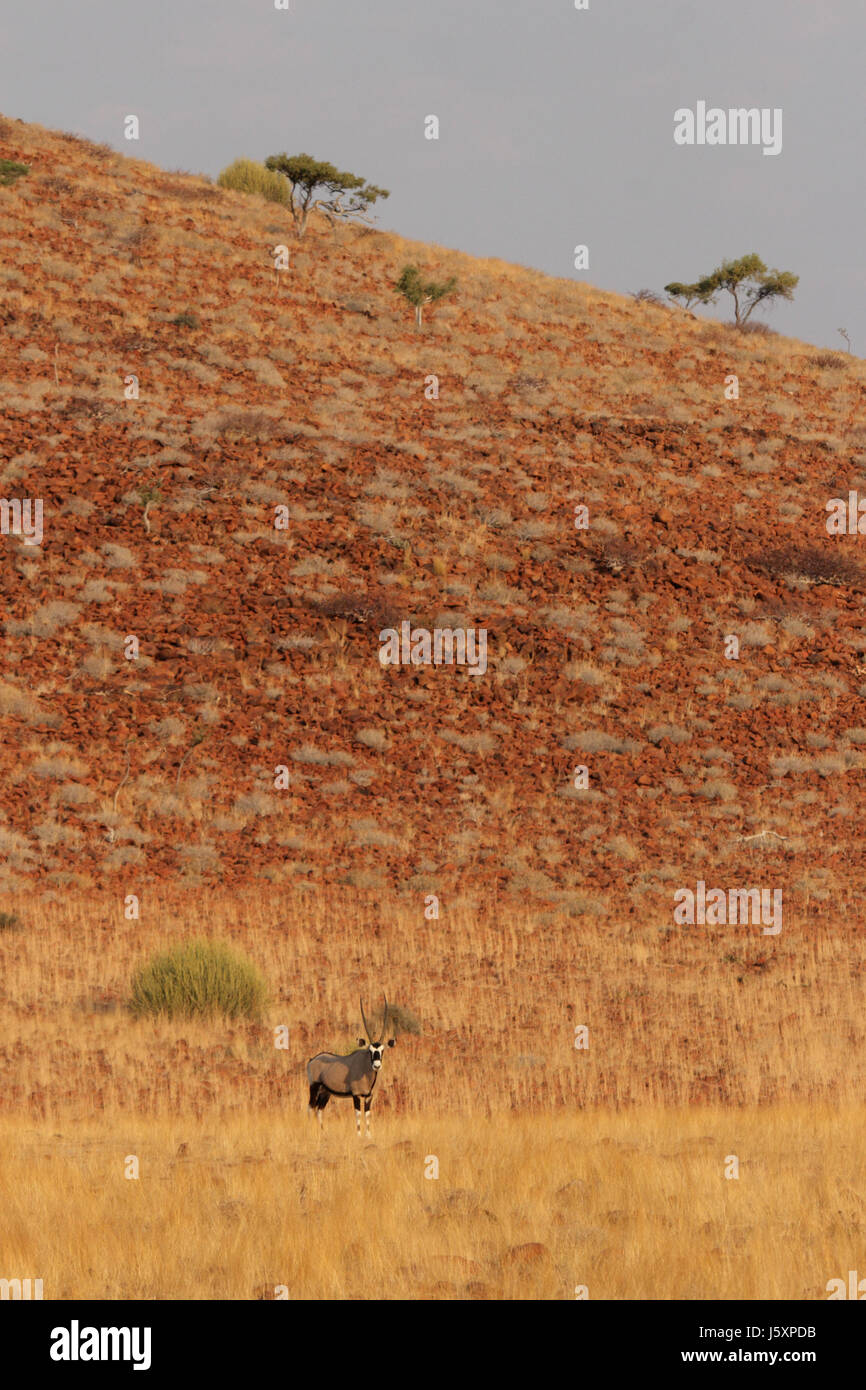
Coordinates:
(11, 170)
(420, 292)
(346, 195)
(148, 496)
(747, 280)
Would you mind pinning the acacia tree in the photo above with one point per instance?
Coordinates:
(687, 293)
(747, 280)
(346, 195)
(420, 292)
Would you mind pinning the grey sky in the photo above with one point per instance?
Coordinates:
(556, 124)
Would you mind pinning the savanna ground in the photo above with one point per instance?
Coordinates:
(602, 1167)
(558, 1168)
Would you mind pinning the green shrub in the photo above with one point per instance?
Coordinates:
(201, 979)
(248, 176)
(10, 170)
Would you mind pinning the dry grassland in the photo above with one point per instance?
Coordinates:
(558, 1167)
(633, 1205)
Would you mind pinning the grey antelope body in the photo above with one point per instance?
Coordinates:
(354, 1075)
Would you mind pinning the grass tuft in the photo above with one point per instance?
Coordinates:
(203, 979)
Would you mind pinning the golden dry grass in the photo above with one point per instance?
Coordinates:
(629, 1206)
(676, 1015)
(608, 1164)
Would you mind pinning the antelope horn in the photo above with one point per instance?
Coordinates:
(384, 1021)
(367, 1028)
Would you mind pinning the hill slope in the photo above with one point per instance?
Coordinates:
(258, 647)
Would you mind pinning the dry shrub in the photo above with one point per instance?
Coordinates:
(809, 562)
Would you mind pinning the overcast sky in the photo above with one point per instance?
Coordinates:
(556, 125)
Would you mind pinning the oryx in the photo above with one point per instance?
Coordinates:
(354, 1075)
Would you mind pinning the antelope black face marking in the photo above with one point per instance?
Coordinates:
(353, 1075)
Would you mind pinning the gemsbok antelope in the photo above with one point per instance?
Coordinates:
(354, 1075)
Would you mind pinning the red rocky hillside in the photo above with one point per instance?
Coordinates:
(306, 394)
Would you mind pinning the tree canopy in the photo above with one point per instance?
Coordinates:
(344, 195)
(420, 292)
(747, 280)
